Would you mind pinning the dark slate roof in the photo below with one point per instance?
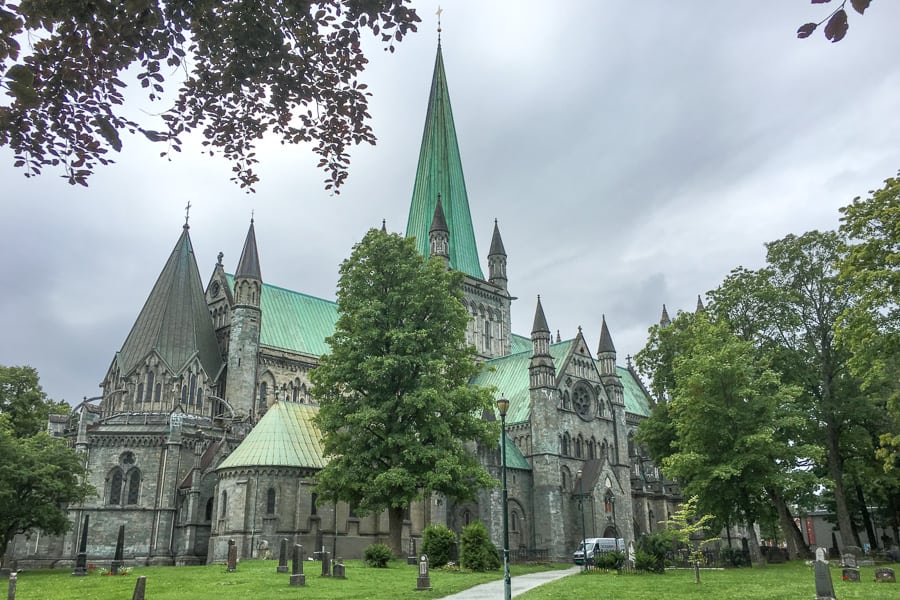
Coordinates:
(606, 343)
(285, 437)
(440, 173)
(664, 319)
(439, 222)
(496, 242)
(540, 321)
(248, 265)
(174, 321)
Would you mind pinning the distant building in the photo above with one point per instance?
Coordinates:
(204, 430)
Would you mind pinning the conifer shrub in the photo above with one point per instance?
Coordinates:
(438, 542)
(377, 555)
(656, 545)
(476, 551)
(610, 560)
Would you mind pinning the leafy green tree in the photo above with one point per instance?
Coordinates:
(39, 474)
(438, 542)
(476, 551)
(789, 311)
(686, 527)
(396, 411)
(23, 404)
(870, 327)
(241, 69)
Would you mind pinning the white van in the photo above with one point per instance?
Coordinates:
(596, 546)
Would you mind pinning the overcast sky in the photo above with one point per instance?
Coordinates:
(633, 153)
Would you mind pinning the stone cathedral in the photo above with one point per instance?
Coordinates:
(204, 429)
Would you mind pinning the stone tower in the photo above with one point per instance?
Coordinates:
(439, 235)
(243, 344)
(497, 260)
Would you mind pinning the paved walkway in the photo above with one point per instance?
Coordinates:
(520, 584)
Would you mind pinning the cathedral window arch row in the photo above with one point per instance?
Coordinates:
(579, 444)
(565, 442)
(592, 448)
(565, 478)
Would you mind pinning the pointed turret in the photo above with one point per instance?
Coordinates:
(246, 321)
(606, 351)
(664, 319)
(438, 234)
(700, 307)
(440, 173)
(541, 369)
(384, 226)
(497, 260)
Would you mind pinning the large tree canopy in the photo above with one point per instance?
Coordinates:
(396, 411)
(242, 69)
(39, 474)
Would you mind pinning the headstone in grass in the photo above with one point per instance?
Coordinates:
(81, 558)
(424, 581)
(12, 586)
(140, 588)
(339, 572)
(850, 574)
(848, 559)
(326, 563)
(232, 556)
(885, 575)
(282, 557)
(411, 556)
(824, 586)
(297, 576)
(116, 563)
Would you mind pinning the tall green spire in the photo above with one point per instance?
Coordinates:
(440, 173)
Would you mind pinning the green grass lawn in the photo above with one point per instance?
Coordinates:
(253, 579)
(790, 581)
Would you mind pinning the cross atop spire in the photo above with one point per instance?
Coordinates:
(187, 215)
(438, 13)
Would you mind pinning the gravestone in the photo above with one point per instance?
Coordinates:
(120, 551)
(297, 577)
(848, 559)
(140, 588)
(411, 554)
(81, 558)
(854, 550)
(885, 575)
(424, 581)
(339, 572)
(282, 557)
(11, 594)
(232, 557)
(326, 563)
(850, 574)
(824, 585)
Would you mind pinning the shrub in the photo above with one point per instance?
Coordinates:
(645, 562)
(477, 552)
(656, 545)
(437, 543)
(377, 555)
(610, 560)
(733, 557)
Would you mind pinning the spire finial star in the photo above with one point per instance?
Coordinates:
(438, 13)
(252, 213)
(187, 214)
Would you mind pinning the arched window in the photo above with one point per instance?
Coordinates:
(263, 388)
(565, 444)
(184, 394)
(578, 445)
(467, 516)
(514, 521)
(608, 502)
(592, 448)
(140, 393)
(209, 508)
(224, 509)
(115, 487)
(565, 479)
(134, 486)
(199, 398)
(313, 499)
(193, 390)
(149, 386)
(632, 450)
(157, 393)
(270, 501)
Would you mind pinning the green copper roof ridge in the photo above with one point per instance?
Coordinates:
(440, 171)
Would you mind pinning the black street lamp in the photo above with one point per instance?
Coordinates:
(502, 407)
(584, 556)
(612, 502)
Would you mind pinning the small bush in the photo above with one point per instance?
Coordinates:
(610, 560)
(733, 557)
(437, 543)
(477, 552)
(656, 545)
(645, 563)
(377, 555)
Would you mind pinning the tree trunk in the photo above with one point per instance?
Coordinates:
(867, 520)
(756, 556)
(836, 470)
(395, 523)
(797, 548)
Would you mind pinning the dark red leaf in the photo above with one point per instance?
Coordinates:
(860, 6)
(837, 26)
(806, 30)
(821, 1)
